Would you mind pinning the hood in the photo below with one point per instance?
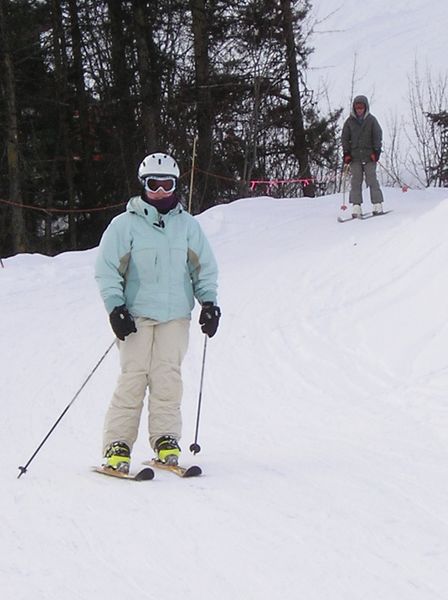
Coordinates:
(137, 206)
(362, 99)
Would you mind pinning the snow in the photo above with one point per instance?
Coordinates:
(324, 420)
(379, 44)
(323, 427)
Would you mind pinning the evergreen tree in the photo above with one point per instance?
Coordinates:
(439, 170)
(96, 85)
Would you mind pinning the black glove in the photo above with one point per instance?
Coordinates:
(209, 318)
(122, 322)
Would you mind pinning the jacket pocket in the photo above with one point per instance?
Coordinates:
(144, 265)
(178, 264)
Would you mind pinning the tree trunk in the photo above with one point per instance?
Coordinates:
(12, 138)
(204, 109)
(61, 77)
(298, 128)
(85, 167)
(123, 106)
(149, 76)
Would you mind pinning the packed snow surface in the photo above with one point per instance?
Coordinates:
(323, 428)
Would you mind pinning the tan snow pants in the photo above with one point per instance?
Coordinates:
(150, 358)
(358, 170)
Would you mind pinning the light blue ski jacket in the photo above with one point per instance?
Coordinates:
(155, 264)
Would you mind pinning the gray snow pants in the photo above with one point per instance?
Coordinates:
(150, 358)
(358, 170)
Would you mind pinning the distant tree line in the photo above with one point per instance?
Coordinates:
(88, 87)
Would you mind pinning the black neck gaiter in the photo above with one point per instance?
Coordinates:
(164, 205)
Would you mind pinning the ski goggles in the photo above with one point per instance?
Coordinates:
(166, 184)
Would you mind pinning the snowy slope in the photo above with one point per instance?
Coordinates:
(378, 44)
(323, 432)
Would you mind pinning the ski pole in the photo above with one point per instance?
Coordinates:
(25, 468)
(195, 447)
(404, 186)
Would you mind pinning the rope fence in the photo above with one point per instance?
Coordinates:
(252, 184)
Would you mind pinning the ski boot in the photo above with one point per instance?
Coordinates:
(377, 209)
(167, 450)
(356, 211)
(118, 457)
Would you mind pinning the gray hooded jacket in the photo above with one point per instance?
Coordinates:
(361, 137)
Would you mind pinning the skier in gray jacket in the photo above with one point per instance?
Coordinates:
(361, 144)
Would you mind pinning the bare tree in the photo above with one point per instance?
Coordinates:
(392, 161)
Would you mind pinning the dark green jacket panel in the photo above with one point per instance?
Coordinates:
(361, 138)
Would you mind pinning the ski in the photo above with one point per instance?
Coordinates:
(193, 471)
(370, 215)
(144, 475)
(347, 219)
(364, 217)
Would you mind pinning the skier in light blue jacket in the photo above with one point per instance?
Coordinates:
(153, 261)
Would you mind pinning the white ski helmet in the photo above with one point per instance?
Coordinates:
(158, 164)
